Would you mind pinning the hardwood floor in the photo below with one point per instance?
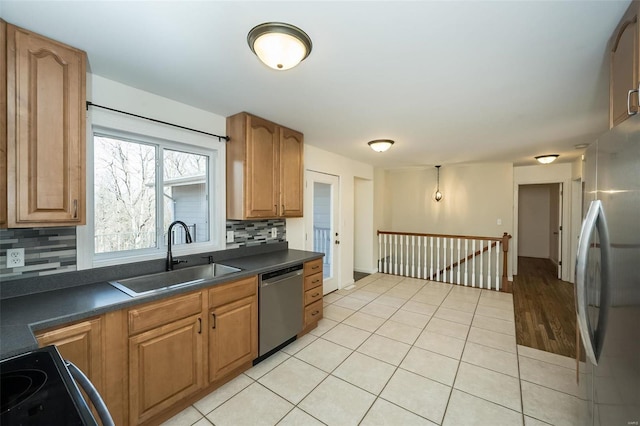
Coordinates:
(544, 308)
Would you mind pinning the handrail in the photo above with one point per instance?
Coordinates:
(464, 237)
(407, 248)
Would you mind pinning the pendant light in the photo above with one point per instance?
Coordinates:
(380, 145)
(546, 159)
(438, 195)
(278, 45)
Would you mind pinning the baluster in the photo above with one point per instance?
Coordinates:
(473, 263)
(384, 245)
(497, 265)
(424, 240)
(443, 270)
(489, 266)
(438, 275)
(451, 262)
(418, 258)
(413, 256)
(459, 265)
(481, 261)
(395, 254)
(379, 253)
(466, 263)
(431, 269)
(401, 263)
(408, 260)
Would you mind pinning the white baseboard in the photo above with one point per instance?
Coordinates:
(366, 271)
(346, 284)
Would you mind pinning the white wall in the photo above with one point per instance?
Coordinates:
(319, 160)
(363, 257)
(549, 173)
(476, 196)
(534, 221)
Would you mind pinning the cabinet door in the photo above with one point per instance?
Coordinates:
(81, 344)
(45, 131)
(165, 366)
(262, 162)
(291, 172)
(233, 336)
(624, 67)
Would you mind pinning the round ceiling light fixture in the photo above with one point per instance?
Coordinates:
(278, 45)
(381, 145)
(546, 159)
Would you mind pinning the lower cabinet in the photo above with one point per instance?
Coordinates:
(312, 302)
(152, 360)
(80, 343)
(165, 366)
(233, 330)
(166, 357)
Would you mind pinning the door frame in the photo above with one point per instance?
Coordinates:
(531, 175)
(310, 177)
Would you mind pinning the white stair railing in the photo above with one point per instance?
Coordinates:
(456, 259)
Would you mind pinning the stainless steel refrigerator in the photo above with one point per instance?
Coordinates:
(608, 276)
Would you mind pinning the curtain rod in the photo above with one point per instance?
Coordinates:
(220, 138)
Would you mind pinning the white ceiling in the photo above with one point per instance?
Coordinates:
(449, 81)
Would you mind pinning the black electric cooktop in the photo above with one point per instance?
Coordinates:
(37, 389)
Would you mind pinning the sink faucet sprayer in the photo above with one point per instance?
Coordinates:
(188, 240)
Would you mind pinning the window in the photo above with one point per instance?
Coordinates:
(143, 178)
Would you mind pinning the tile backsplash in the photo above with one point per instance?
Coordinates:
(53, 250)
(46, 251)
(256, 232)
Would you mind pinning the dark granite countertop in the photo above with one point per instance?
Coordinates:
(22, 315)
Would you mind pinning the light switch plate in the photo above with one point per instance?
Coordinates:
(15, 258)
(274, 232)
(230, 236)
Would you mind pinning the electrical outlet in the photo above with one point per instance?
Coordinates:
(274, 232)
(230, 236)
(15, 258)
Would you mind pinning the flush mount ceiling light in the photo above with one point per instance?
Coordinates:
(280, 46)
(381, 145)
(546, 159)
(581, 146)
(438, 195)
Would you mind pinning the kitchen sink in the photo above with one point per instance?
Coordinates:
(147, 284)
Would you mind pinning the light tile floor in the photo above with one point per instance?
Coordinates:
(402, 351)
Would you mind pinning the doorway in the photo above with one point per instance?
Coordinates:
(540, 222)
(322, 231)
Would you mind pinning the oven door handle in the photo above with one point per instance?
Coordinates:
(92, 393)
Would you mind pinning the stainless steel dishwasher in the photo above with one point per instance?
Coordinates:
(280, 308)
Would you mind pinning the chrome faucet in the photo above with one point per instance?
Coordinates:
(170, 261)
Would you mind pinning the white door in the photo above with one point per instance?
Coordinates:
(322, 235)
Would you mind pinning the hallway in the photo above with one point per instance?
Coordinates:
(544, 308)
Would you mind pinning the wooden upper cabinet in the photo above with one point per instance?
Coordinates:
(264, 169)
(624, 48)
(45, 176)
(291, 169)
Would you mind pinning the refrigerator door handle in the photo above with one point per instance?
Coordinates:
(595, 218)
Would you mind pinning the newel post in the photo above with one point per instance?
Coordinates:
(505, 259)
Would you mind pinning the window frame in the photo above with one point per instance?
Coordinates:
(112, 124)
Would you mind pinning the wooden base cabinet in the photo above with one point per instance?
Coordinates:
(312, 301)
(166, 359)
(80, 343)
(233, 326)
(44, 180)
